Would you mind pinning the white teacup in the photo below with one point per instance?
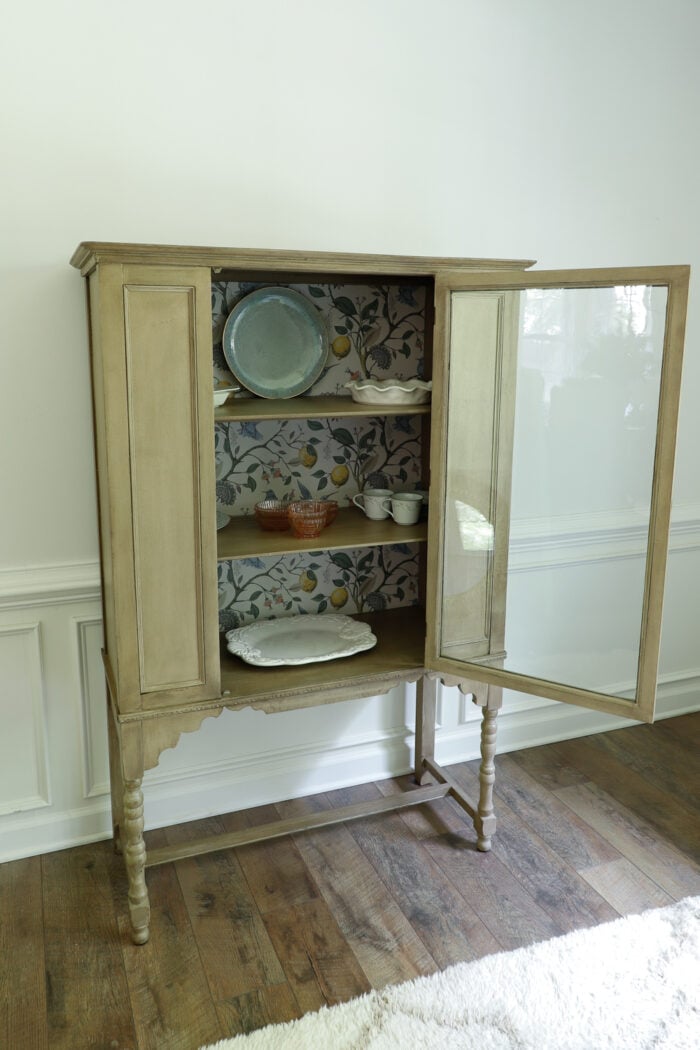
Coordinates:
(404, 507)
(371, 501)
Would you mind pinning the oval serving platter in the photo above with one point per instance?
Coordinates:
(299, 640)
(275, 342)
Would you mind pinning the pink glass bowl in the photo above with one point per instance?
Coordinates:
(308, 517)
(272, 515)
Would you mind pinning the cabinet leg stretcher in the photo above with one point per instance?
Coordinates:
(433, 782)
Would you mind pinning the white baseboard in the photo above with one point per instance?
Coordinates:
(531, 722)
(221, 787)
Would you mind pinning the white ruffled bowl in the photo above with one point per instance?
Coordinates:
(390, 391)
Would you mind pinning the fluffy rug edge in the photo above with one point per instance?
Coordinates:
(565, 993)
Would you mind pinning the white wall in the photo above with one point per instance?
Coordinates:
(561, 132)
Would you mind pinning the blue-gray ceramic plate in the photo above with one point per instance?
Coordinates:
(275, 342)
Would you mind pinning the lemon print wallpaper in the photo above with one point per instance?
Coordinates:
(373, 331)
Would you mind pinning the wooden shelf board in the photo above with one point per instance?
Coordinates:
(243, 537)
(243, 409)
(399, 652)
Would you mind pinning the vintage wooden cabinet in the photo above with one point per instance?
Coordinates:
(513, 354)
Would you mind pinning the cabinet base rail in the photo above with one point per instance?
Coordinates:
(294, 825)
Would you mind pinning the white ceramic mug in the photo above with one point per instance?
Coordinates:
(371, 501)
(404, 507)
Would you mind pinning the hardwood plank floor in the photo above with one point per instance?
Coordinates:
(588, 830)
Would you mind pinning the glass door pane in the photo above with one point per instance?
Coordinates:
(554, 391)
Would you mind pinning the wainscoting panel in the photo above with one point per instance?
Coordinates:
(24, 775)
(54, 770)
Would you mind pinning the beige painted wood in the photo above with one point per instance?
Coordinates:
(662, 485)
(100, 418)
(88, 254)
(478, 407)
(108, 366)
(485, 821)
(162, 387)
(675, 278)
(293, 825)
(135, 858)
(151, 354)
(426, 695)
(243, 537)
(397, 656)
(259, 408)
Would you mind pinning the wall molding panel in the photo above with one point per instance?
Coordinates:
(578, 539)
(93, 705)
(24, 772)
(51, 673)
(42, 585)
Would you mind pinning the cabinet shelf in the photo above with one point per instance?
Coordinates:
(398, 654)
(243, 538)
(245, 409)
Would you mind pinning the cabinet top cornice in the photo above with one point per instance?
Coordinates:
(89, 253)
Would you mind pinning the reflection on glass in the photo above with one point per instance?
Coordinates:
(549, 473)
(475, 532)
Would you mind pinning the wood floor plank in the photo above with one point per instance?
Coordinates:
(653, 758)
(22, 987)
(635, 838)
(246, 1013)
(675, 822)
(88, 1003)
(572, 838)
(547, 766)
(683, 730)
(627, 888)
(377, 931)
(553, 883)
(170, 996)
(316, 958)
(236, 951)
(502, 903)
(444, 920)
(276, 874)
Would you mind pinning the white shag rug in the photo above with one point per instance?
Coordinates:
(632, 984)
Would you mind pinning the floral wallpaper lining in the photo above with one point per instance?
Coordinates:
(315, 458)
(374, 330)
(357, 580)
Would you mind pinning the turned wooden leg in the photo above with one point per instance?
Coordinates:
(135, 858)
(426, 691)
(485, 820)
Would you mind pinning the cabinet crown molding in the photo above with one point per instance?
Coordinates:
(89, 253)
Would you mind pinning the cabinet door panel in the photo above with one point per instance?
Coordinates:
(169, 391)
(553, 464)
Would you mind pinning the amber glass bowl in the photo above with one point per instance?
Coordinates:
(308, 517)
(272, 515)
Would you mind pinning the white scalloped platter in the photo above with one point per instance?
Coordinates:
(390, 391)
(299, 640)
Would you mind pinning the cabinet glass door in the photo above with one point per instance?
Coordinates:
(554, 416)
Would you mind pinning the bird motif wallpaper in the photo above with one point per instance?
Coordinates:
(373, 331)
